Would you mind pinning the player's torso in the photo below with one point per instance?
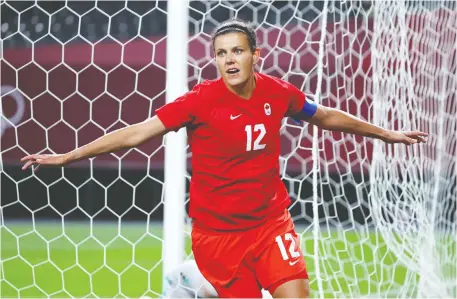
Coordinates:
(241, 130)
(235, 151)
(235, 168)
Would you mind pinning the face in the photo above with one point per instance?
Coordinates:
(234, 58)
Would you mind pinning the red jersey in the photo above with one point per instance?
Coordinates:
(235, 147)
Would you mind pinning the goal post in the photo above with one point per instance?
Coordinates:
(175, 146)
(375, 220)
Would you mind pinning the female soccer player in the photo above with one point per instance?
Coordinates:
(243, 238)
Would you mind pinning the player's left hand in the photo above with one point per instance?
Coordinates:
(408, 138)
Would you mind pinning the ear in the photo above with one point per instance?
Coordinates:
(256, 56)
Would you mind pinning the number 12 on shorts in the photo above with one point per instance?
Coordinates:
(287, 254)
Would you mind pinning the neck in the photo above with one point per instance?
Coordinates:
(244, 90)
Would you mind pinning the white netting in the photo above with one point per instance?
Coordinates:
(413, 195)
(383, 220)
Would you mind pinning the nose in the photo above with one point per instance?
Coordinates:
(230, 59)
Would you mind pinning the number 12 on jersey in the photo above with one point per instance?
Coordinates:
(286, 254)
(257, 145)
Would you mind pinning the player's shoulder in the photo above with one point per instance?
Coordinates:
(207, 87)
(275, 84)
(204, 92)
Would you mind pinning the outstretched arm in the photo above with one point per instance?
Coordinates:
(336, 120)
(127, 137)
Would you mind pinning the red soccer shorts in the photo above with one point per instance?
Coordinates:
(240, 264)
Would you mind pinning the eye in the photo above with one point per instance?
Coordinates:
(220, 54)
(238, 51)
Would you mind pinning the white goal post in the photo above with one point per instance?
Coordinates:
(375, 220)
(175, 154)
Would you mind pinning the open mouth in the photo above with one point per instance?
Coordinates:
(232, 71)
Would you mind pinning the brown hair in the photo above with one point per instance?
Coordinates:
(236, 25)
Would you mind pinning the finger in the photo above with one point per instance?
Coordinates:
(410, 141)
(417, 133)
(424, 134)
(421, 139)
(29, 157)
(34, 157)
(27, 165)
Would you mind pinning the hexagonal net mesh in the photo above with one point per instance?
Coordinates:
(375, 219)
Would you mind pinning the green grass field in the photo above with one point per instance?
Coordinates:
(51, 261)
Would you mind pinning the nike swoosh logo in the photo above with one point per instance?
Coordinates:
(234, 117)
(293, 263)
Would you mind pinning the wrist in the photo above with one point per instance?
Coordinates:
(68, 157)
(384, 134)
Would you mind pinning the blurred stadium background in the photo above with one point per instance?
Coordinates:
(74, 70)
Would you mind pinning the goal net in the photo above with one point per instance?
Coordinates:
(375, 220)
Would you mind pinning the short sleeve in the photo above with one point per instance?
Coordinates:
(182, 112)
(296, 99)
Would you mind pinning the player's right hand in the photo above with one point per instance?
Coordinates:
(41, 159)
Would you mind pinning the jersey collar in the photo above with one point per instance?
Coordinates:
(258, 90)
